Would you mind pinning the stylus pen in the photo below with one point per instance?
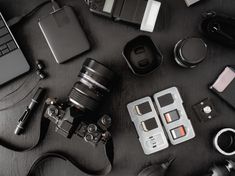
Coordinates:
(26, 116)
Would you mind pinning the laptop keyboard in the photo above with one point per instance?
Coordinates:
(7, 43)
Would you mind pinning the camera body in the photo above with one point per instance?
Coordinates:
(76, 116)
(69, 121)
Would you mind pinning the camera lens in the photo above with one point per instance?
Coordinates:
(94, 82)
(224, 141)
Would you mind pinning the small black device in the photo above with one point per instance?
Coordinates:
(205, 110)
(142, 55)
(190, 52)
(75, 116)
(64, 34)
(143, 13)
(219, 27)
(29, 109)
(12, 61)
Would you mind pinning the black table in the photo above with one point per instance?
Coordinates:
(175, 22)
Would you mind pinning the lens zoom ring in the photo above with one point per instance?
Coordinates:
(80, 99)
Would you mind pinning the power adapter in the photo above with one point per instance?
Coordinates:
(64, 33)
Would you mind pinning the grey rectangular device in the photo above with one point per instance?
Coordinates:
(12, 61)
(64, 34)
(173, 115)
(148, 126)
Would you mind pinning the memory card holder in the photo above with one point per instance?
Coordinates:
(148, 126)
(152, 135)
(173, 116)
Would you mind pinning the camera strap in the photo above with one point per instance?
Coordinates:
(108, 147)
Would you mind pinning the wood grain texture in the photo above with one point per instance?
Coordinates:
(175, 22)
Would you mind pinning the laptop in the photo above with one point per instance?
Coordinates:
(12, 61)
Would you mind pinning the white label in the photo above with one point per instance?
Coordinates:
(108, 6)
(150, 16)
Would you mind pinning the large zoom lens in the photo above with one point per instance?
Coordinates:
(94, 82)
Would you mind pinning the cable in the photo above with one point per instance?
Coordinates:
(18, 19)
(18, 88)
(20, 100)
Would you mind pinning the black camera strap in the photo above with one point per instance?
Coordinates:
(108, 147)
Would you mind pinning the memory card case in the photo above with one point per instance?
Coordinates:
(224, 86)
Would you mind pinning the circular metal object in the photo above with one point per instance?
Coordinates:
(224, 141)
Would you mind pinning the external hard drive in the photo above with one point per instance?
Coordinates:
(64, 34)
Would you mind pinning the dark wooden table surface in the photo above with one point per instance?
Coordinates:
(175, 22)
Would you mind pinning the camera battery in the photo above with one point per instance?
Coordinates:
(148, 126)
(173, 116)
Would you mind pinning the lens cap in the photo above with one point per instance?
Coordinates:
(190, 52)
(142, 55)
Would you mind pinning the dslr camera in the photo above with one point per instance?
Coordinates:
(77, 114)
